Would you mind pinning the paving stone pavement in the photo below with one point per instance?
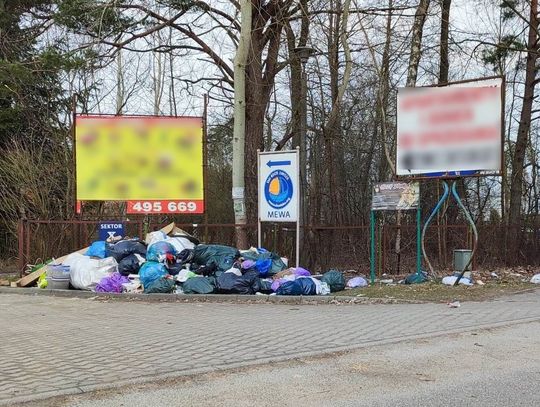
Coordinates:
(52, 346)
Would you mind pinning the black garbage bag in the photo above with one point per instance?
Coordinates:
(185, 256)
(222, 256)
(198, 285)
(160, 286)
(334, 279)
(246, 284)
(300, 286)
(174, 268)
(124, 248)
(129, 265)
(206, 270)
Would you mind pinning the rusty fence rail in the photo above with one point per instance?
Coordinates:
(323, 247)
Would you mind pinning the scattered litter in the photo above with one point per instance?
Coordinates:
(357, 282)
(454, 304)
(494, 275)
(416, 278)
(451, 280)
(535, 279)
(386, 281)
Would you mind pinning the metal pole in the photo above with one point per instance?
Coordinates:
(372, 246)
(475, 232)
(259, 233)
(300, 207)
(418, 240)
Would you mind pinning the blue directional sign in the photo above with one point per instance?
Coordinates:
(278, 186)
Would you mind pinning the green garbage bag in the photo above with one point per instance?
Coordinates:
(199, 285)
(160, 286)
(416, 278)
(261, 258)
(334, 279)
(222, 256)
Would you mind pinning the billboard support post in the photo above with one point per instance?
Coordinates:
(372, 246)
(300, 209)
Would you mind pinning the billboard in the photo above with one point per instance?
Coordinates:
(393, 196)
(279, 190)
(450, 130)
(147, 161)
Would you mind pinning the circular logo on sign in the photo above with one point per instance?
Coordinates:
(278, 189)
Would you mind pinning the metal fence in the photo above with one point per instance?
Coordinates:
(323, 247)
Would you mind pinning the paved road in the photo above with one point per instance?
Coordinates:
(53, 346)
(486, 368)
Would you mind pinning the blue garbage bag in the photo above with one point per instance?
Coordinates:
(300, 286)
(158, 251)
(267, 263)
(151, 271)
(97, 249)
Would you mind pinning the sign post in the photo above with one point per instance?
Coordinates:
(394, 196)
(279, 191)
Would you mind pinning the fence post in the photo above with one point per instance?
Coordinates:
(20, 237)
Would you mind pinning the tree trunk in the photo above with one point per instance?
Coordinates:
(239, 129)
(416, 41)
(516, 189)
(443, 47)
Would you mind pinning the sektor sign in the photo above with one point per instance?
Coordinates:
(278, 186)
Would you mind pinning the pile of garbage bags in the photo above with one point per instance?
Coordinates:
(176, 262)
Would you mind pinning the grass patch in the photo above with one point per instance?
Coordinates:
(437, 292)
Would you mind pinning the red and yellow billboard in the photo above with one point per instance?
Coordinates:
(147, 161)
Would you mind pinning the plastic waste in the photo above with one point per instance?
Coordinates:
(450, 280)
(334, 279)
(97, 249)
(162, 285)
(246, 284)
(416, 278)
(151, 271)
(299, 272)
(161, 252)
(300, 286)
(57, 276)
(185, 274)
(86, 273)
(130, 264)
(267, 263)
(325, 288)
(198, 285)
(112, 284)
(454, 304)
(265, 286)
(124, 248)
(535, 279)
(357, 282)
(222, 256)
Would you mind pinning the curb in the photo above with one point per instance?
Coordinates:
(209, 298)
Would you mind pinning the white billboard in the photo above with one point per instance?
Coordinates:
(279, 190)
(450, 130)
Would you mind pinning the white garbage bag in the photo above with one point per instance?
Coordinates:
(86, 272)
(535, 279)
(450, 280)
